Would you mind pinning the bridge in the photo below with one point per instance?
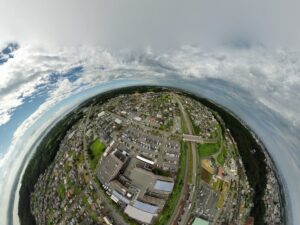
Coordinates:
(196, 139)
(192, 138)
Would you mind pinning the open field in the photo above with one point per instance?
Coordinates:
(208, 149)
(95, 152)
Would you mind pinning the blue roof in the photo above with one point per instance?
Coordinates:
(120, 197)
(145, 207)
(163, 186)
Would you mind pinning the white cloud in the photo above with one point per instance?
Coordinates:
(133, 23)
(269, 76)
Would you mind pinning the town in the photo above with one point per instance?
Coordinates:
(146, 158)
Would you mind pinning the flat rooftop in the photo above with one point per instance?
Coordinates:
(199, 221)
(163, 186)
(138, 214)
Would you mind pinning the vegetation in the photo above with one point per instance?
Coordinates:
(206, 176)
(221, 157)
(172, 201)
(190, 164)
(165, 97)
(61, 191)
(182, 125)
(208, 149)
(163, 127)
(95, 152)
(220, 201)
(44, 155)
(254, 162)
(218, 185)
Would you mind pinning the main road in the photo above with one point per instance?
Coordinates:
(192, 147)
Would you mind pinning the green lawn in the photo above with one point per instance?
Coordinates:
(208, 149)
(165, 97)
(96, 150)
(190, 164)
(183, 127)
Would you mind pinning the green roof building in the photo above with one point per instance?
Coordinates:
(199, 221)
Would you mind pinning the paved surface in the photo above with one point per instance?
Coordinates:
(192, 138)
(197, 139)
(182, 199)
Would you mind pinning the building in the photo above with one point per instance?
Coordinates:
(111, 166)
(118, 121)
(146, 207)
(164, 186)
(139, 215)
(101, 114)
(145, 160)
(199, 221)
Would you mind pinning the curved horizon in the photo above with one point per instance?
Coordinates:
(96, 90)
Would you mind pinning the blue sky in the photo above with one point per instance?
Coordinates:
(31, 103)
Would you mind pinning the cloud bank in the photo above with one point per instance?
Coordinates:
(135, 23)
(271, 76)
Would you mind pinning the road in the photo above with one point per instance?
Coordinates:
(192, 147)
(197, 139)
(192, 138)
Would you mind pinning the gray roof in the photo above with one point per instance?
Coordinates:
(138, 214)
(145, 207)
(163, 186)
(120, 197)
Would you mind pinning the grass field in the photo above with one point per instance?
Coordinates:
(95, 152)
(190, 164)
(208, 149)
(172, 201)
(221, 157)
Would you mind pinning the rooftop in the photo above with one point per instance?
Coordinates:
(163, 186)
(138, 214)
(145, 207)
(199, 221)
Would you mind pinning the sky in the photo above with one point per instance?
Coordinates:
(243, 54)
